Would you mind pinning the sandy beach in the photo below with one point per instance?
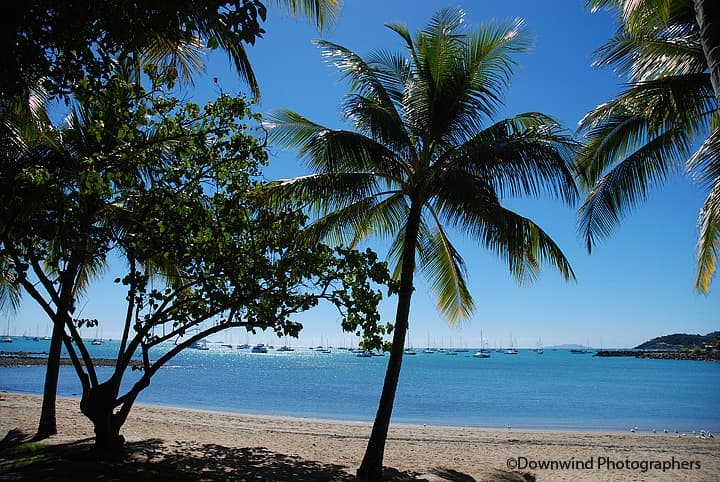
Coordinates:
(303, 449)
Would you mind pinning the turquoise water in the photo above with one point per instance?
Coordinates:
(556, 390)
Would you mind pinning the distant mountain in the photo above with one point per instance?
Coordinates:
(679, 341)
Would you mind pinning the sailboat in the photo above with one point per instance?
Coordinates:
(408, 350)
(7, 338)
(482, 352)
(321, 348)
(462, 347)
(428, 350)
(285, 346)
(512, 350)
(245, 345)
(539, 347)
(97, 340)
(227, 343)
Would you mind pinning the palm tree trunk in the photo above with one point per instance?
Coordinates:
(371, 467)
(48, 422)
(707, 13)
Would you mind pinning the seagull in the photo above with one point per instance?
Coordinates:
(632, 430)
(665, 430)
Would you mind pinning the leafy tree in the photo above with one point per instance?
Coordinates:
(425, 157)
(59, 43)
(651, 131)
(169, 187)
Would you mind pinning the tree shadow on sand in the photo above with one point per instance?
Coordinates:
(159, 461)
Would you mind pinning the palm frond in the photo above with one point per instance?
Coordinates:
(380, 216)
(328, 150)
(372, 120)
(655, 38)
(238, 56)
(445, 272)
(526, 155)
(615, 129)
(471, 205)
(643, 57)
(322, 192)
(455, 96)
(704, 165)
(708, 245)
(629, 183)
(187, 57)
(397, 246)
(639, 15)
(365, 79)
(518, 241)
(322, 12)
(488, 57)
(10, 290)
(403, 32)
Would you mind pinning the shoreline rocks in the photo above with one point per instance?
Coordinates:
(663, 355)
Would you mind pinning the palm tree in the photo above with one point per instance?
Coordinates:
(426, 157)
(635, 142)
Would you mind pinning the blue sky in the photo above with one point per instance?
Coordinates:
(634, 286)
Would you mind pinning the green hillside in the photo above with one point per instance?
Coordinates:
(679, 341)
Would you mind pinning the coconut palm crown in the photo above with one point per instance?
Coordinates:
(425, 151)
(425, 157)
(652, 130)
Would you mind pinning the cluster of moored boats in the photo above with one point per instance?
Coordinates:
(359, 352)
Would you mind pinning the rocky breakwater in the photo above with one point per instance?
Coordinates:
(664, 355)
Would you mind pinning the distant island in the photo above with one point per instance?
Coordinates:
(568, 346)
(678, 346)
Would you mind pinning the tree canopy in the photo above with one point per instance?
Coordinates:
(56, 43)
(168, 187)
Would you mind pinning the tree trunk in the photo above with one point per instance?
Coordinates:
(707, 13)
(98, 404)
(48, 422)
(371, 467)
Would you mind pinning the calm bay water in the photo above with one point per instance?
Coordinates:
(556, 390)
